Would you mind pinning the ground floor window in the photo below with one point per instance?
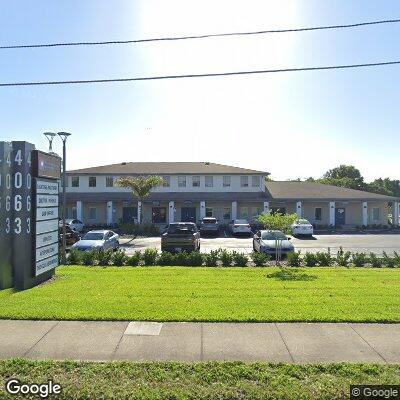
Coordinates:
(92, 213)
(244, 212)
(256, 211)
(226, 213)
(159, 215)
(376, 214)
(318, 214)
(209, 212)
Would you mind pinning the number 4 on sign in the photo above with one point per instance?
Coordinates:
(18, 157)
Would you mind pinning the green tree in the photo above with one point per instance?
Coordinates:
(345, 176)
(140, 186)
(390, 187)
(277, 221)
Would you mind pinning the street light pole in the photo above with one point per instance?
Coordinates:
(64, 136)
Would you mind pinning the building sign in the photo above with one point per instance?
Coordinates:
(46, 165)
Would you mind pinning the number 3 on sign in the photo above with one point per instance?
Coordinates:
(17, 229)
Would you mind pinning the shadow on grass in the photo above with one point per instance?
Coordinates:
(292, 274)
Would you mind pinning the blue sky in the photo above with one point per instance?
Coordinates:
(292, 125)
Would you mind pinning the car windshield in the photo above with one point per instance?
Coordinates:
(94, 236)
(302, 222)
(209, 220)
(181, 229)
(241, 221)
(273, 236)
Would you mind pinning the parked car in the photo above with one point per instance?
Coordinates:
(267, 241)
(98, 240)
(240, 226)
(181, 236)
(209, 225)
(71, 237)
(74, 224)
(302, 227)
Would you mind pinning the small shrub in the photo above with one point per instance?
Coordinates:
(294, 259)
(182, 258)
(343, 258)
(195, 259)
(119, 258)
(324, 258)
(150, 256)
(89, 257)
(211, 259)
(104, 257)
(277, 221)
(310, 260)
(134, 259)
(166, 258)
(74, 257)
(396, 259)
(375, 261)
(259, 259)
(359, 259)
(239, 259)
(390, 262)
(226, 258)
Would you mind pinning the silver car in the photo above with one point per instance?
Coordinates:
(209, 225)
(269, 241)
(98, 240)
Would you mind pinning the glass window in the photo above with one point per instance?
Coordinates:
(255, 181)
(226, 213)
(209, 181)
(109, 181)
(209, 212)
(376, 214)
(92, 213)
(182, 181)
(226, 181)
(159, 215)
(318, 214)
(256, 211)
(167, 181)
(92, 181)
(94, 236)
(244, 181)
(196, 181)
(75, 181)
(244, 212)
(183, 229)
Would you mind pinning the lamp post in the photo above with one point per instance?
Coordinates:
(64, 137)
(50, 137)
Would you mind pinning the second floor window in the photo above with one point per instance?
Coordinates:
(244, 181)
(75, 181)
(226, 181)
(196, 181)
(92, 181)
(255, 181)
(209, 181)
(166, 180)
(109, 181)
(181, 181)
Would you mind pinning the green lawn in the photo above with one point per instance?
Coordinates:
(198, 381)
(210, 294)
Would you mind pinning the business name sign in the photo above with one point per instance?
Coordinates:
(46, 165)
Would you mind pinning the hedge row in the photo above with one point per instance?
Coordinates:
(225, 258)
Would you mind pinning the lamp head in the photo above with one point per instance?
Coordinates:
(63, 135)
(50, 136)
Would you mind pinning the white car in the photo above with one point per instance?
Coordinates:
(74, 224)
(98, 240)
(240, 226)
(302, 227)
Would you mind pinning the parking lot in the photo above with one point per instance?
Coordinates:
(377, 243)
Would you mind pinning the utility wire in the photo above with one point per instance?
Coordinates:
(211, 35)
(215, 74)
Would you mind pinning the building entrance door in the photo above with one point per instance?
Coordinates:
(340, 216)
(188, 214)
(129, 215)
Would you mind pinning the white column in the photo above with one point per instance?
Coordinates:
(139, 212)
(299, 211)
(234, 210)
(332, 213)
(266, 207)
(79, 213)
(109, 212)
(364, 210)
(171, 212)
(395, 213)
(202, 209)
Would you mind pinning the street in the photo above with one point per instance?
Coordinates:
(378, 243)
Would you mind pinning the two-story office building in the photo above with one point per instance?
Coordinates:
(193, 190)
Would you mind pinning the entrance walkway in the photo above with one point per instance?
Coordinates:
(184, 341)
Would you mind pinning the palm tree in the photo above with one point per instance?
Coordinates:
(140, 186)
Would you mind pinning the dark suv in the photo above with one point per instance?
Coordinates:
(71, 236)
(181, 236)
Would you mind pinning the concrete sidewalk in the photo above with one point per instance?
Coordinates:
(184, 341)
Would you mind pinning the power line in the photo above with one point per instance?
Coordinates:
(215, 74)
(210, 35)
